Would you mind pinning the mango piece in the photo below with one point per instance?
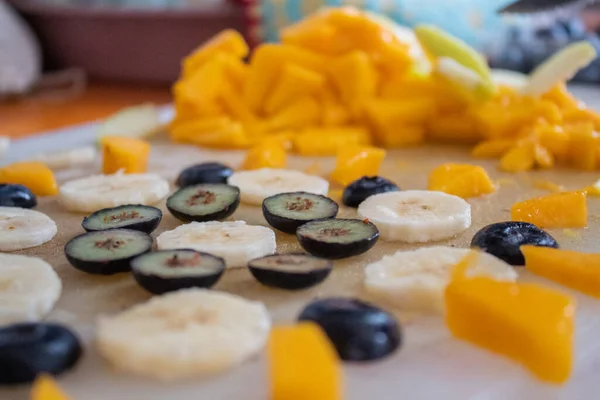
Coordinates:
(561, 210)
(45, 388)
(583, 146)
(180, 132)
(355, 78)
(333, 111)
(390, 119)
(123, 153)
(408, 87)
(301, 113)
(400, 136)
(282, 138)
(35, 175)
(353, 162)
(265, 66)
(221, 133)
(453, 128)
(550, 186)
(265, 155)
(328, 141)
(461, 180)
(543, 157)
(317, 36)
(494, 148)
(303, 364)
(518, 159)
(294, 82)
(234, 106)
(555, 139)
(529, 323)
(228, 41)
(579, 271)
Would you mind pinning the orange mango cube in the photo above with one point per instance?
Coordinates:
(229, 41)
(122, 153)
(494, 148)
(461, 180)
(328, 141)
(560, 210)
(294, 82)
(35, 175)
(355, 78)
(301, 113)
(353, 162)
(519, 158)
(584, 142)
(45, 388)
(265, 155)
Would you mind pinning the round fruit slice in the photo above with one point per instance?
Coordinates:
(415, 280)
(337, 238)
(204, 202)
(287, 211)
(417, 216)
(107, 252)
(21, 228)
(212, 172)
(27, 350)
(105, 191)
(169, 270)
(367, 186)
(184, 334)
(560, 67)
(68, 158)
(234, 241)
(358, 330)
(16, 196)
(133, 216)
(290, 271)
(257, 185)
(29, 288)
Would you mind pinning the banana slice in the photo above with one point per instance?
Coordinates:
(103, 191)
(415, 280)
(417, 216)
(184, 334)
(560, 67)
(235, 241)
(257, 185)
(68, 158)
(21, 228)
(29, 288)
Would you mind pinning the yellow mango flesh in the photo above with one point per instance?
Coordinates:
(265, 155)
(35, 175)
(355, 78)
(461, 180)
(299, 114)
(353, 162)
(561, 210)
(492, 148)
(122, 153)
(579, 271)
(228, 41)
(294, 82)
(45, 388)
(303, 364)
(328, 141)
(529, 323)
(219, 132)
(518, 159)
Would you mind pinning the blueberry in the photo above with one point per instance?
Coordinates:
(288, 211)
(358, 330)
(212, 172)
(504, 240)
(16, 196)
(27, 350)
(356, 192)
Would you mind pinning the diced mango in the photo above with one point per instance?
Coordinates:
(583, 146)
(561, 210)
(201, 87)
(579, 271)
(328, 141)
(265, 155)
(543, 158)
(519, 158)
(400, 136)
(221, 133)
(453, 128)
(294, 82)
(45, 388)
(228, 41)
(494, 148)
(529, 323)
(409, 87)
(35, 175)
(122, 153)
(390, 119)
(303, 364)
(281, 138)
(554, 138)
(461, 180)
(353, 162)
(180, 132)
(301, 113)
(234, 106)
(355, 78)
(333, 111)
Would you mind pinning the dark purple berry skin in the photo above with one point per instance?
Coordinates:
(211, 172)
(358, 191)
(16, 196)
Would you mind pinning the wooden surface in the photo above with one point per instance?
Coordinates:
(19, 118)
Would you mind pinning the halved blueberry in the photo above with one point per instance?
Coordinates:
(358, 330)
(29, 349)
(16, 196)
(337, 238)
(290, 271)
(367, 186)
(133, 216)
(170, 270)
(288, 211)
(211, 172)
(205, 202)
(107, 252)
(504, 240)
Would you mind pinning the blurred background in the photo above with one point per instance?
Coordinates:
(128, 50)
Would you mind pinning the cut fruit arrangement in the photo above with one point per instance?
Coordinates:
(319, 92)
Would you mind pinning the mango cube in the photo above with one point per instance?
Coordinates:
(328, 141)
(301, 113)
(461, 180)
(45, 388)
(353, 162)
(122, 153)
(229, 42)
(355, 78)
(265, 155)
(294, 82)
(560, 210)
(35, 175)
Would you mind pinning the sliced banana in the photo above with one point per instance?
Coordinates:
(68, 158)
(21, 228)
(235, 241)
(29, 288)
(137, 122)
(415, 280)
(417, 216)
(184, 334)
(257, 185)
(103, 191)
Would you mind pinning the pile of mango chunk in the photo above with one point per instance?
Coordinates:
(342, 78)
